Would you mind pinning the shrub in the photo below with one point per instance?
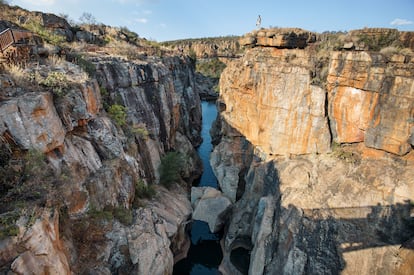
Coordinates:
(85, 64)
(123, 215)
(18, 74)
(118, 114)
(57, 81)
(376, 43)
(8, 227)
(141, 131)
(104, 214)
(170, 168)
(45, 34)
(341, 153)
(143, 190)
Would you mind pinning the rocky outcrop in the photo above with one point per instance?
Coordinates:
(37, 248)
(365, 92)
(99, 165)
(286, 38)
(228, 47)
(273, 104)
(156, 236)
(230, 160)
(210, 206)
(309, 205)
(32, 122)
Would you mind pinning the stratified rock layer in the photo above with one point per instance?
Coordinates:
(327, 186)
(371, 100)
(99, 166)
(271, 102)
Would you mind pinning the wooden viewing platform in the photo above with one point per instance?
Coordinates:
(15, 45)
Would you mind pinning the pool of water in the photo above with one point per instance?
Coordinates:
(204, 255)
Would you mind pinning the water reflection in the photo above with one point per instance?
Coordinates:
(209, 113)
(204, 255)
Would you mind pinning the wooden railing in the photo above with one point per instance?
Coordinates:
(10, 37)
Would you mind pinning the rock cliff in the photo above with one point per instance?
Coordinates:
(81, 153)
(227, 47)
(323, 175)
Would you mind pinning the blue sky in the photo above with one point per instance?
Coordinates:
(163, 20)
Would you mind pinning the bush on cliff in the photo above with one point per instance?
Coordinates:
(57, 81)
(118, 114)
(170, 169)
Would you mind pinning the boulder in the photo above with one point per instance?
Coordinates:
(32, 122)
(43, 253)
(210, 206)
(149, 245)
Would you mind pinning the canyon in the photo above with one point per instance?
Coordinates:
(313, 153)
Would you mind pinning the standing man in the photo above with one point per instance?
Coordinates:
(258, 21)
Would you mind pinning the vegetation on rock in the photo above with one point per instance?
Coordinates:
(118, 114)
(170, 168)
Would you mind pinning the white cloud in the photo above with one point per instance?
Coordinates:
(400, 22)
(141, 20)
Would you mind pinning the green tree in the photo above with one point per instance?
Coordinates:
(170, 168)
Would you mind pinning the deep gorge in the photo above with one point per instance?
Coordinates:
(311, 156)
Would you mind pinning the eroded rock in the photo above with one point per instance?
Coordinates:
(210, 206)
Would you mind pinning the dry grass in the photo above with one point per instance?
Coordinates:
(56, 61)
(18, 74)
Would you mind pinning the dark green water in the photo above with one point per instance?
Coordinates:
(204, 255)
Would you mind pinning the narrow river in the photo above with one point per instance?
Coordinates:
(205, 253)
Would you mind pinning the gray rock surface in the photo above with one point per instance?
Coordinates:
(210, 206)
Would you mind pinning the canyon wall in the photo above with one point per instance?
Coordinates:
(226, 47)
(81, 211)
(321, 173)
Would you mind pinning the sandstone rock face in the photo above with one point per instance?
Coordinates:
(33, 122)
(205, 87)
(42, 248)
(365, 95)
(210, 206)
(345, 209)
(273, 104)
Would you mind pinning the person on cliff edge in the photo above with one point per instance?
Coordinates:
(258, 21)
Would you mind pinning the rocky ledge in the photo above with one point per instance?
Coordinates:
(289, 38)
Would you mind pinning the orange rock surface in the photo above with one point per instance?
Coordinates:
(371, 100)
(274, 105)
